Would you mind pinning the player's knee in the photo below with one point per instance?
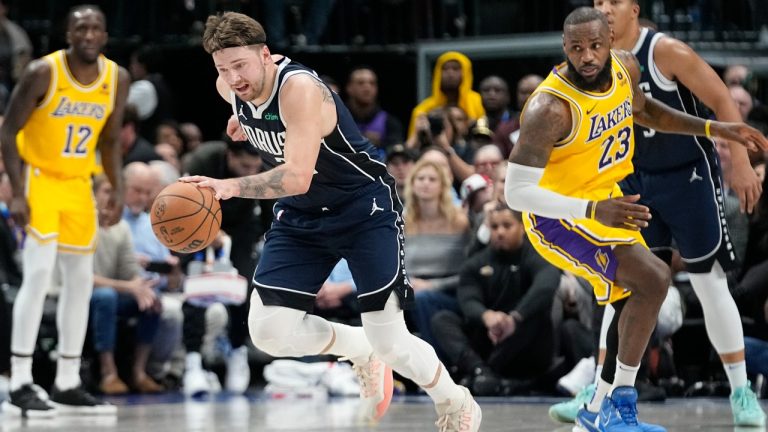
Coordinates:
(659, 277)
(267, 336)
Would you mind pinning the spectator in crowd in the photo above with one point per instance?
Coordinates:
(399, 163)
(505, 295)
(169, 132)
(120, 292)
(506, 134)
(382, 128)
(134, 147)
(436, 232)
(736, 75)
(495, 96)
(15, 52)
(192, 135)
(451, 86)
(441, 158)
(149, 92)
(743, 100)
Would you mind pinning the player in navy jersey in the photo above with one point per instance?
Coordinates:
(334, 200)
(679, 179)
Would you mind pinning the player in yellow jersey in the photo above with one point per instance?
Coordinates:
(576, 142)
(67, 105)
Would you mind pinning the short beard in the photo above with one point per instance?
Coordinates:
(602, 79)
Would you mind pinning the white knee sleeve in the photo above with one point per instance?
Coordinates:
(284, 332)
(74, 302)
(397, 347)
(721, 316)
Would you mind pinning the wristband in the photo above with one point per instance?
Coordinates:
(707, 131)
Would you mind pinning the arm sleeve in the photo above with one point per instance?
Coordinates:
(523, 193)
(545, 280)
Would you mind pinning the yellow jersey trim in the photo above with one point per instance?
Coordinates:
(52, 83)
(602, 95)
(77, 84)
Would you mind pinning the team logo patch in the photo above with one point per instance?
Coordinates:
(602, 260)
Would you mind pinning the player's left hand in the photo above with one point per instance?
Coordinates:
(222, 189)
(745, 183)
(742, 133)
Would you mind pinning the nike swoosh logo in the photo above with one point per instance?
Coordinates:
(591, 109)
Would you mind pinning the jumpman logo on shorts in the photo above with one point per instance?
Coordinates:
(375, 208)
(695, 176)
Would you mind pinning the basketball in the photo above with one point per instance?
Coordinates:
(185, 218)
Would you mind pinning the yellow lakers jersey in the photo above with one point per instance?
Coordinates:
(61, 134)
(598, 153)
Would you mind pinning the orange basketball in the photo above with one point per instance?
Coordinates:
(185, 218)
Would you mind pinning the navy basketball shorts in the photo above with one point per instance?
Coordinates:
(303, 246)
(687, 206)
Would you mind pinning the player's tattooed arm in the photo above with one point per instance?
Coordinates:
(326, 92)
(264, 185)
(545, 121)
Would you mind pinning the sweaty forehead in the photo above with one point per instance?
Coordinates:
(588, 31)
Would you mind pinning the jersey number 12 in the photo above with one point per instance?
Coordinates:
(77, 141)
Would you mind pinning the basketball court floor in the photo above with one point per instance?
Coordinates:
(171, 413)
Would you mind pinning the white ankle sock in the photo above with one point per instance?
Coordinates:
(600, 391)
(737, 374)
(625, 375)
(67, 373)
(598, 372)
(21, 371)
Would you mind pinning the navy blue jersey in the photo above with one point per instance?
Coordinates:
(347, 161)
(657, 151)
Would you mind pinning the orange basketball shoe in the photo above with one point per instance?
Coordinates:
(459, 418)
(376, 386)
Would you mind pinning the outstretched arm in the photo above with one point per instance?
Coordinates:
(656, 115)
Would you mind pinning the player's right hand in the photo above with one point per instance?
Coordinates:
(622, 212)
(234, 131)
(19, 209)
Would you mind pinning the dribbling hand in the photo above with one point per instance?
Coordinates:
(234, 131)
(222, 189)
(622, 212)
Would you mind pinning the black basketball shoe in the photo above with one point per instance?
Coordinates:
(78, 401)
(26, 402)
